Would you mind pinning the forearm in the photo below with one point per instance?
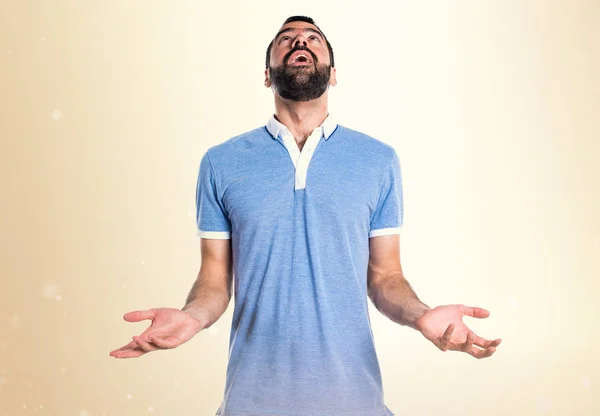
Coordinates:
(394, 297)
(206, 303)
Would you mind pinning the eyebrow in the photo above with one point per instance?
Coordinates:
(306, 29)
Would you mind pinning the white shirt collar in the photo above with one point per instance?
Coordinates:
(275, 127)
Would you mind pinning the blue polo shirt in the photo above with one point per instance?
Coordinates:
(301, 342)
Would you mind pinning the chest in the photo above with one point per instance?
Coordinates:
(318, 185)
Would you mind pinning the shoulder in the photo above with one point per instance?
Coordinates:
(237, 146)
(373, 147)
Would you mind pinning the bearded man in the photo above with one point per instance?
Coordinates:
(304, 216)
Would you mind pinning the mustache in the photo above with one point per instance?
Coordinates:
(300, 48)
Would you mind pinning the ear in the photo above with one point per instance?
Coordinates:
(267, 79)
(332, 78)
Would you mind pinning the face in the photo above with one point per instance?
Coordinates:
(300, 68)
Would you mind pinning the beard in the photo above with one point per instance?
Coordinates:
(300, 83)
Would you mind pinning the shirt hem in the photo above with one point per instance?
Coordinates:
(385, 411)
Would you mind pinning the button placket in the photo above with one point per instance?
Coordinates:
(292, 148)
(306, 156)
(301, 159)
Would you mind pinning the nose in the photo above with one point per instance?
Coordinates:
(300, 38)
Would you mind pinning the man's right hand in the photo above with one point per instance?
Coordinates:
(170, 328)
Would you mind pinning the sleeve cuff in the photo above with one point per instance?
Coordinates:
(220, 235)
(384, 231)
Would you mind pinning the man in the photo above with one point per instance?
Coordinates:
(306, 214)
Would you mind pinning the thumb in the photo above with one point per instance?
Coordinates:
(137, 316)
(475, 312)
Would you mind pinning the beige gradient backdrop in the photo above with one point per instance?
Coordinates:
(106, 109)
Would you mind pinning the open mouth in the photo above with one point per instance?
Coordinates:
(300, 58)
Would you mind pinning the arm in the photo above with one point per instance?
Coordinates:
(210, 295)
(205, 304)
(390, 292)
(392, 296)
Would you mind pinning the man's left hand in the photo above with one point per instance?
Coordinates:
(444, 327)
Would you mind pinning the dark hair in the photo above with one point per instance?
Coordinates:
(300, 19)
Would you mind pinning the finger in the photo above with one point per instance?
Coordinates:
(482, 342)
(444, 341)
(474, 311)
(134, 353)
(145, 345)
(485, 343)
(129, 346)
(468, 344)
(137, 316)
(163, 342)
(479, 353)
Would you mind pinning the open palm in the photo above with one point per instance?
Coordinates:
(170, 328)
(444, 327)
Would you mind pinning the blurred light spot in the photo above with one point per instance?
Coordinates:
(143, 262)
(43, 39)
(213, 330)
(587, 382)
(176, 383)
(84, 412)
(129, 396)
(58, 297)
(2, 380)
(149, 377)
(56, 115)
(29, 384)
(41, 406)
(24, 406)
(49, 290)
(15, 321)
(63, 370)
(64, 313)
(150, 409)
(124, 286)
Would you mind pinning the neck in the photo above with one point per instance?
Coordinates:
(301, 117)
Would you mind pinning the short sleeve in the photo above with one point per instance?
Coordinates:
(389, 213)
(211, 218)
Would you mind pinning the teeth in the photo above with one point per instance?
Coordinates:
(298, 56)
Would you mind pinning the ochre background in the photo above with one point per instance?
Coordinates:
(106, 109)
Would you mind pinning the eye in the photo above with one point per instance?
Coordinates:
(314, 38)
(283, 38)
